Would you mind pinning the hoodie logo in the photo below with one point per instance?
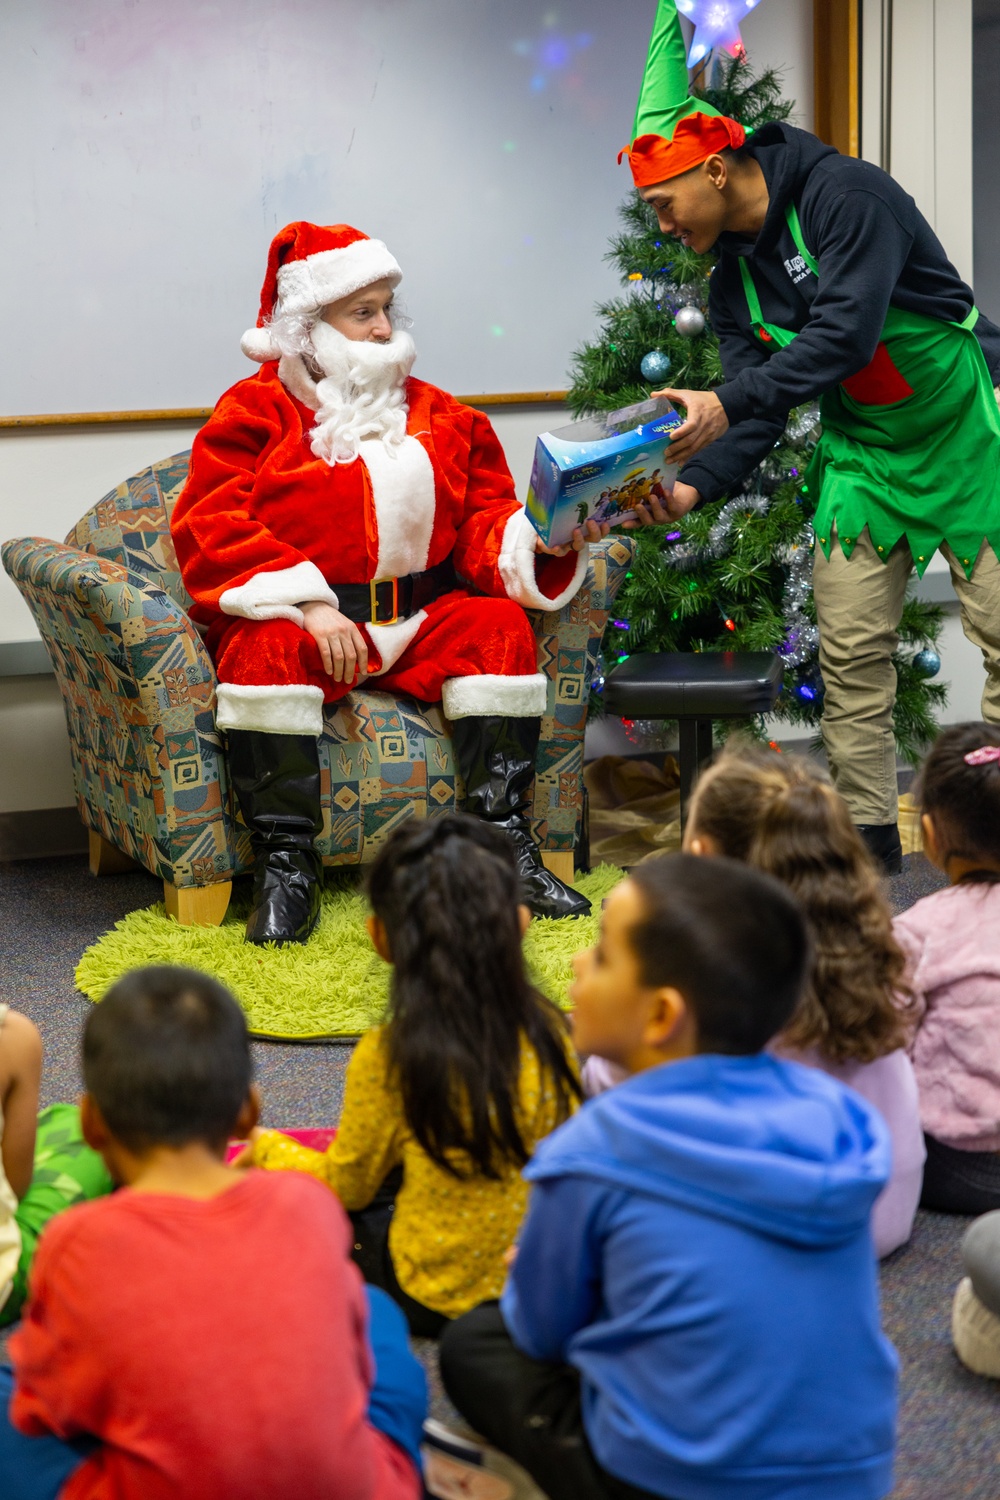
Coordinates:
(797, 269)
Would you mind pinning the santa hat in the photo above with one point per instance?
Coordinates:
(673, 132)
(309, 266)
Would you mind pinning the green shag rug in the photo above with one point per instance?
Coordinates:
(333, 986)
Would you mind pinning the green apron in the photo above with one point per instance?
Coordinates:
(910, 445)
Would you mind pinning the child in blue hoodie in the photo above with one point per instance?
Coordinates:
(693, 1312)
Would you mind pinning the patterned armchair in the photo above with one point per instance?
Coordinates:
(139, 692)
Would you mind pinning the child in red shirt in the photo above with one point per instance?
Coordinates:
(172, 1345)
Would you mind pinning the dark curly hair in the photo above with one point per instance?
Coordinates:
(781, 814)
(461, 1006)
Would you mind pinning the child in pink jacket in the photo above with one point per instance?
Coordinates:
(952, 942)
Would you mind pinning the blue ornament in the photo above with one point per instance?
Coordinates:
(655, 365)
(927, 662)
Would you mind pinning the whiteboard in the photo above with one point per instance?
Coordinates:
(154, 147)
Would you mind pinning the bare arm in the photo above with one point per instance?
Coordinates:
(20, 1074)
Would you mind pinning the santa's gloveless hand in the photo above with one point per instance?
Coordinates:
(342, 647)
(592, 532)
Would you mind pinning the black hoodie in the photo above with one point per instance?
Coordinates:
(874, 247)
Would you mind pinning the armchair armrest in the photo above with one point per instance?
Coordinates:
(568, 645)
(138, 689)
(610, 560)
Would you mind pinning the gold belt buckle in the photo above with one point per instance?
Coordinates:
(373, 587)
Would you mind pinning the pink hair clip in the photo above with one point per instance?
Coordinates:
(983, 756)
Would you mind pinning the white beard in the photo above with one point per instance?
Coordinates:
(362, 394)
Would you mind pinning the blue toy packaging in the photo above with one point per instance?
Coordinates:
(600, 469)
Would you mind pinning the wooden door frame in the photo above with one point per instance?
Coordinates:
(837, 73)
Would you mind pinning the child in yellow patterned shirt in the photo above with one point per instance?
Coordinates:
(471, 1069)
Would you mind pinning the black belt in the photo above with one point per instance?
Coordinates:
(386, 600)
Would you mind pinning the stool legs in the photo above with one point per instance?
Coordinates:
(695, 752)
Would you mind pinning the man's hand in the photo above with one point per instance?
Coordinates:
(682, 498)
(592, 532)
(705, 421)
(341, 644)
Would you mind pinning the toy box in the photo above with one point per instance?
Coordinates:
(599, 469)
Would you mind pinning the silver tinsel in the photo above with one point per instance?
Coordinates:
(801, 640)
(688, 555)
(804, 425)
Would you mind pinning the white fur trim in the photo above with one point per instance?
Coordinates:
(488, 694)
(295, 708)
(277, 595)
(295, 377)
(306, 285)
(391, 641)
(403, 496)
(258, 345)
(517, 566)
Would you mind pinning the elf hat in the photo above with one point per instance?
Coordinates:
(310, 266)
(673, 132)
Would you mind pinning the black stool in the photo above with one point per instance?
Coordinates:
(694, 688)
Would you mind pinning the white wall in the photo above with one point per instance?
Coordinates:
(779, 34)
(35, 769)
(921, 131)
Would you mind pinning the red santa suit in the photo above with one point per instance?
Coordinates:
(389, 500)
(264, 525)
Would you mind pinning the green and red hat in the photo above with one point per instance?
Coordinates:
(673, 132)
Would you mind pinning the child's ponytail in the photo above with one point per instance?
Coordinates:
(461, 1007)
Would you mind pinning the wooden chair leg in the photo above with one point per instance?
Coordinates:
(559, 863)
(105, 859)
(197, 905)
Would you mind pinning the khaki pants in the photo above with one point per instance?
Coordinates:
(859, 601)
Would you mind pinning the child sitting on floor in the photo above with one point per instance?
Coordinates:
(201, 1332)
(472, 1068)
(692, 1311)
(45, 1165)
(952, 941)
(780, 814)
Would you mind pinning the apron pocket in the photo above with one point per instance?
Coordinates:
(879, 383)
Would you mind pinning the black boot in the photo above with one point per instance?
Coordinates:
(883, 844)
(496, 759)
(276, 779)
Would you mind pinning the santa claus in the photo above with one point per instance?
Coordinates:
(342, 521)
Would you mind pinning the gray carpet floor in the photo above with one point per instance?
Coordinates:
(949, 1434)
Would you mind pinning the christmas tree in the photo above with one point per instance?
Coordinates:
(734, 574)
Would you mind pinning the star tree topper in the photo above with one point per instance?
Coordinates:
(717, 24)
